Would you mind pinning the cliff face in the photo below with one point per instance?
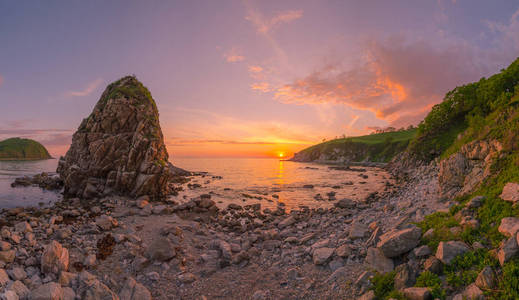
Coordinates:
(119, 148)
(22, 149)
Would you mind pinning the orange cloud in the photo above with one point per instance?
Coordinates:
(397, 81)
(261, 86)
(255, 69)
(233, 56)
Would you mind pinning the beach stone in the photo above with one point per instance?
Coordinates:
(7, 256)
(55, 258)
(9, 295)
(4, 246)
(119, 148)
(322, 255)
(90, 288)
(507, 250)
(345, 203)
(509, 226)
(376, 260)
(422, 251)
(287, 222)
(369, 295)
(161, 249)
(405, 277)
(395, 243)
(106, 222)
(4, 278)
(447, 251)
(17, 274)
(473, 292)
(23, 227)
(510, 192)
(476, 202)
(20, 289)
(48, 291)
(132, 290)
(343, 251)
(358, 230)
(486, 278)
(417, 293)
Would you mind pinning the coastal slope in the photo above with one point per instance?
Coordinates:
(380, 147)
(22, 149)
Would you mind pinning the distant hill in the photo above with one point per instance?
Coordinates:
(381, 147)
(22, 149)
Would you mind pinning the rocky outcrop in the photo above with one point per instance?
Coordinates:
(463, 171)
(119, 148)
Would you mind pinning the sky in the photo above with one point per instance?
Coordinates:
(246, 78)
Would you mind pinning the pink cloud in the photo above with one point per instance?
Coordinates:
(264, 24)
(261, 86)
(91, 87)
(233, 56)
(397, 80)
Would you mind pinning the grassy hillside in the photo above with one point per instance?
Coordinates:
(484, 110)
(380, 147)
(22, 149)
(475, 109)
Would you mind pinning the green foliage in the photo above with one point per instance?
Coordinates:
(464, 269)
(129, 87)
(509, 285)
(22, 149)
(432, 281)
(380, 147)
(383, 284)
(441, 223)
(466, 108)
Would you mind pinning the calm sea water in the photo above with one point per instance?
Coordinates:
(268, 181)
(25, 196)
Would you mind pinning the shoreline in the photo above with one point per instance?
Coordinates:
(311, 252)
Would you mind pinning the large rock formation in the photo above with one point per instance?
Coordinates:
(463, 171)
(119, 148)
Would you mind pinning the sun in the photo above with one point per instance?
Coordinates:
(281, 154)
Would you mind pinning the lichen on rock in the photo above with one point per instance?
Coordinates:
(119, 148)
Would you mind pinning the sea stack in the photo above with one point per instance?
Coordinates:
(119, 148)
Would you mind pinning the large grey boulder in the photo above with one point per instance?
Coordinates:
(49, 291)
(417, 293)
(119, 148)
(161, 249)
(132, 290)
(508, 250)
(55, 258)
(447, 251)
(397, 242)
(376, 260)
(509, 226)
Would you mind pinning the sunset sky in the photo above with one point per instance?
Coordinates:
(246, 78)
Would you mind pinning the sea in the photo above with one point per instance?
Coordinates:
(270, 182)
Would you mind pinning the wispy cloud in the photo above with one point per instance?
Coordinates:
(92, 86)
(233, 56)
(255, 69)
(179, 141)
(261, 86)
(265, 24)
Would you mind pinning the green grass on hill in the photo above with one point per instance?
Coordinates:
(381, 147)
(22, 149)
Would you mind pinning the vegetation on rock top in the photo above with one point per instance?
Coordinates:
(22, 149)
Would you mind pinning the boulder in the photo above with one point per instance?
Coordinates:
(322, 255)
(132, 290)
(434, 265)
(21, 290)
(7, 256)
(473, 292)
(447, 251)
(358, 230)
(106, 222)
(376, 260)
(405, 277)
(55, 258)
(345, 203)
(343, 251)
(9, 295)
(287, 222)
(417, 293)
(4, 278)
(486, 278)
(510, 192)
(49, 291)
(507, 250)
(395, 243)
(509, 226)
(161, 249)
(119, 148)
(90, 288)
